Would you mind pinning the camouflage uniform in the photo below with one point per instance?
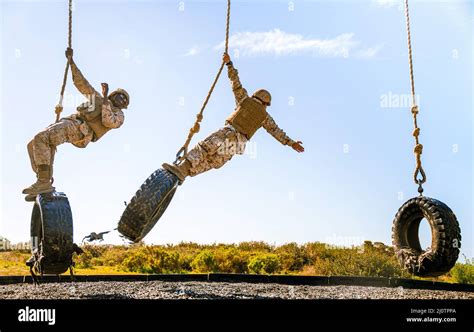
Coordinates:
(219, 147)
(74, 128)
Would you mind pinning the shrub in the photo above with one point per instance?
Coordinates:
(231, 260)
(151, 260)
(371, 259)
(83, 261)
(463, 273)
(264, 263)
(255, 246)
(204, 262)
(292, 257)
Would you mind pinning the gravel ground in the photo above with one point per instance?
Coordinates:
(209, 290)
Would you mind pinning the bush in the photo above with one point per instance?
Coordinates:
(371, 259)
(463, 273)
(264, 264)
(83, 261)
(231, 260)
(255, 246)
(292, 257)
(204, 262)
(151, 260)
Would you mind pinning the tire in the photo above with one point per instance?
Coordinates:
(52, 234)
(148, 205)
(445, 237)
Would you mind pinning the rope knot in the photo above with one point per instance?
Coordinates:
(195, 129)
(418, 149)
(58, 109)
(416, 132)
(199, 117)
(414, 109)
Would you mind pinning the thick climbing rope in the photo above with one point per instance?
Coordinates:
(59, 107)
(182, 153)
(418, 150)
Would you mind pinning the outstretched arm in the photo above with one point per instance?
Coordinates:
(272, 128)
(239, 92)
(79, 80)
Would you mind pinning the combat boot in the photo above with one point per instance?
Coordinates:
(181, 171)
(43, 184)
(30, 198)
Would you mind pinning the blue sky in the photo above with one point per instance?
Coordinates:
(338, 74)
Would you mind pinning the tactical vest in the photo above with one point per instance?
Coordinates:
(91, 113)
(248, 117)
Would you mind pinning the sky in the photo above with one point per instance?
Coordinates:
(338, 74)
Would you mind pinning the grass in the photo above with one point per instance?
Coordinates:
(13, 263)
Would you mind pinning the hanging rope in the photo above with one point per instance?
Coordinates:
(418, 150)
(183, 152)
(59, 107)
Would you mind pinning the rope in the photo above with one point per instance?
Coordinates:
(418, 149)
(59, 107)
(183, 152)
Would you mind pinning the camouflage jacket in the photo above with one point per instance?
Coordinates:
(269, 124)
(112, 117)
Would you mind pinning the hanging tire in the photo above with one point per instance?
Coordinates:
(51, 234)
(148, 205)
(445, 237)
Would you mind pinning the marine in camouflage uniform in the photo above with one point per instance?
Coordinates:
(219, 147)
(92, 120)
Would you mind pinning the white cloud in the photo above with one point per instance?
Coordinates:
(368, 53)
(279, 43)
(192, 51)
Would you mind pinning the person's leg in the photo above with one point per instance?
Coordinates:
(31, 155)
(229, 143)
(44, 145)
(213, 152)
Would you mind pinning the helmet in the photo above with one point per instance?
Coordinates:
(122, 91)
(264, 96)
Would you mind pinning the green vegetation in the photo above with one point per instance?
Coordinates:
(246, 257)
(463, 273)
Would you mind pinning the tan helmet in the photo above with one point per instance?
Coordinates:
(123, 92)
(264, 96)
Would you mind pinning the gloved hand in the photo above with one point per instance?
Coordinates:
(105, 89)
(298, 147)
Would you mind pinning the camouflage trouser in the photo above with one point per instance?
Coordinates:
(217, 149)
(43, 146)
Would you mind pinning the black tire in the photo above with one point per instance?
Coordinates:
(445, 237)
(52, 233)
(148, 205)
